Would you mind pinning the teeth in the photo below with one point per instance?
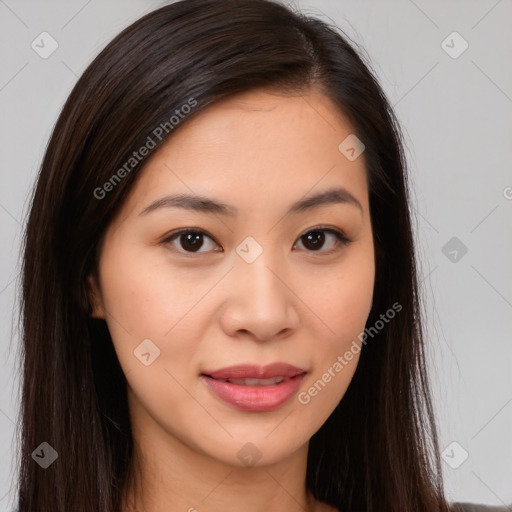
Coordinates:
(257, 382)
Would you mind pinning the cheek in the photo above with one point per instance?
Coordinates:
(143, 301)
(344, 308)
(341, 306)
(141, 293)
(342, 299)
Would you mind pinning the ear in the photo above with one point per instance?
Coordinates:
(95, 298)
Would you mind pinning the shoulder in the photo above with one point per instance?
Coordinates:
(475, 507)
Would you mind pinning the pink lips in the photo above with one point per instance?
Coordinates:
(255, 398)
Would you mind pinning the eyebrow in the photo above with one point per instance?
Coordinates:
(208, 205)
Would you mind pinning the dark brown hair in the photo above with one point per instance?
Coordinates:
(378, 451)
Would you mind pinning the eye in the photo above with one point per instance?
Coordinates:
(314, 239)
(191, 240)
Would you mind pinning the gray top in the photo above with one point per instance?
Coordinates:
(475, 507)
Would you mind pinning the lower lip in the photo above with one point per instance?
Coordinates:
(254, 398)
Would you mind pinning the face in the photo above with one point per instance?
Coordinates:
(187, 287)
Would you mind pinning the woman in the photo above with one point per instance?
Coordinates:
(220, 298)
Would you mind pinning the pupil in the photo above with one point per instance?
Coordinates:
(192, 240)
(316, 237)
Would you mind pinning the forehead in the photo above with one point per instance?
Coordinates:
(257, 143)
(309, 108)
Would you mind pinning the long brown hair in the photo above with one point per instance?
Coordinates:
(378, 451)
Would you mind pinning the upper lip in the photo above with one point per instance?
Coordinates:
(249, 371)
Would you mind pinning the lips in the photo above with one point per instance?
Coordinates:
(255, 388)
(240, 372)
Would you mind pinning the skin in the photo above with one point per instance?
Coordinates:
(258, 151)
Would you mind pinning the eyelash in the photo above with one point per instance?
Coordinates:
(341, 239)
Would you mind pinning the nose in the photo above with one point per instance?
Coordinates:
(261, 302)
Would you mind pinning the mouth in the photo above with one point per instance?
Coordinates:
(253, 388)
(250, 371)
(273, 381)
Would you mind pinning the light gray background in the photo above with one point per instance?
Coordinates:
(457, 118)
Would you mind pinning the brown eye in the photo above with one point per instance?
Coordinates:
(191, 241)
(315, 239)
